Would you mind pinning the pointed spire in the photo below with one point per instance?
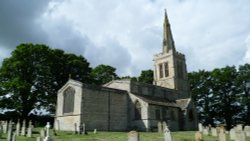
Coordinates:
(168, 41)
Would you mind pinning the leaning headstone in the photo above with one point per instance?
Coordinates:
(205, 131)
(214, 132)
(10, 133)
(159, 126)
(23, 128)
(18, 128)
(200, 127)
(47, 138)
(222, 135)
(232, 134)
(42, 133)
(167, 134)
(198, 136)
(133, 136)
(247, 131)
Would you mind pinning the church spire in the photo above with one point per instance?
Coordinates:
(168, 41)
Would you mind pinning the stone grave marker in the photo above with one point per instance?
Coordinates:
(75, 125)
(222, 135)
(10, 132)
(239, 133)
(198, 136)
(38, 139)
(247, 131)
(1, 130)
(200, 127)
(83, 128)
(47, 138)
(18, 127)
(159, 126)
(133, 136)
(14, 137)
(205, 131)
(164, 125)
(29, 130)
(23, 128)
(232, 134)
(167, 134)
(42, 133)
(214, 132)
(5, 127)
(95, 131)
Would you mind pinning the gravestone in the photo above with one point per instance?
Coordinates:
(29, 130)
(23, 128)
(214, 132)
(247, 131)
(167, 134)
(83, 128)
(42, 133)
(95, 131)
(205, 131)
(5, 127)
(159, 126)
(38, 139)
(1, 130)
(164, 125)
(239, 133)
(198, 136)
(18, 127)
(14, 137)
(10, 132)
(47, 138)
(222, 135)
(133, 136)
(200, 127)
(232, 134)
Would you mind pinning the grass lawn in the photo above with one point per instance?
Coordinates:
(116, 136)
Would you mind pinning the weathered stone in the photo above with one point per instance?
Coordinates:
(14, 137)
(5, 127)
(205, 131)
(29, 132)
(240, 136)
(232, 134)
(10, 132)
(247, 131)
(42, 133)
(164, 125)
(47, 138)
(133, 136)
(200, 127)
(38, 139)
(239, 127)
(159, 126)
(18, 128)
(214, 132)
(23, 128)
(222, 135)
(75, 125)
(198, 136)
(167, 134)
(95, 131)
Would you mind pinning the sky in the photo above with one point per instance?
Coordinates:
(126, 34)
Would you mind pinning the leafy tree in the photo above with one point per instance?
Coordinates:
(103, 74)
(30, 78)
(147, 76)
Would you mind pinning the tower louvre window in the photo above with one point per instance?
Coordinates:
(166, 69)
(161, 70)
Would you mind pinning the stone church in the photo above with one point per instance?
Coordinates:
(122, 105)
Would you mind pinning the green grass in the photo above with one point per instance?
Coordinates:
(116, 136)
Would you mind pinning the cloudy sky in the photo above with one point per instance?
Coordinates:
(126, 33)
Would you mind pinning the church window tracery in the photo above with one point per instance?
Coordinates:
(68, 100)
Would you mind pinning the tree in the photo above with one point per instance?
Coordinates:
(147, 76)
(103, 74)
(30, 78)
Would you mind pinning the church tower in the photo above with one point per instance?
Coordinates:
(170, 65)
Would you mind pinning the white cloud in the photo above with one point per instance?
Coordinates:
(126, 34)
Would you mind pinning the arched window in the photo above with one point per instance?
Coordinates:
(68, 100)
(137, 110)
